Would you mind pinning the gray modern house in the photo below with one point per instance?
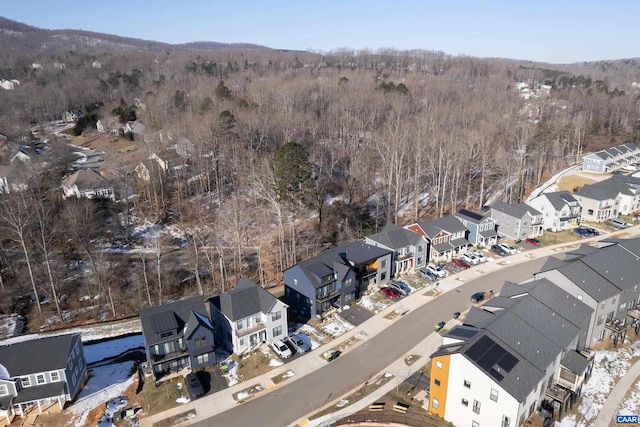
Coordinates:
(409, 249)
(482, 228)
(40, 371)
(247, 316)
(178, 335)
(517, 221)
(606, 161)
(336, 278)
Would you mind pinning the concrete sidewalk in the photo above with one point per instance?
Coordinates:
(222, 401)
(610, 407)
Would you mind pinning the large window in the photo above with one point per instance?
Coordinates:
(201, 342)
(494, 395)
(277, 331)
(239, 325)
(276, 316)
(203, 358)
(506, 422)
(476, 406)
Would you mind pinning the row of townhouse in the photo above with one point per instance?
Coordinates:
(40, 372)
(183, 334)
(611, 159)
(562, 210)
(524, 356)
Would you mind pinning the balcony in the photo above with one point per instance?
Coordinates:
(327, 296)
(180, 353)
(247, 331)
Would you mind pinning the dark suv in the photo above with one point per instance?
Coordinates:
(499, 250)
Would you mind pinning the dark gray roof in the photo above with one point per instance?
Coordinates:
(510, 289)
(616, 185)
(588, 280)
(616, 264)
(519, 210)
(552, 263)
(246, 299)
(173, 315)
(195, 321)
(499, 302)
(581, 251)
(458, 243)
(37, 392)
(575, 362)
(38, 355)
(594, 192)
(324, 265)
(560, 301)
(559, 199)
(358, 252)
(449, 224)
(478, 318)
(632, 245)
(6, 402)
(396, 237)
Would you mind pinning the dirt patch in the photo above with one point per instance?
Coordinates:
(571, 182)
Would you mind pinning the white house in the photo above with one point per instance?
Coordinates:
(247, 316)
(560, 210)
(87, 184)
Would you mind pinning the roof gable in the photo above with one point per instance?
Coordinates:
(38, 355)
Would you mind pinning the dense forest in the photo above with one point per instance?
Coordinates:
(289, 153)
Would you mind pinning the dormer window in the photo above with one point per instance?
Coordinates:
(166, 334)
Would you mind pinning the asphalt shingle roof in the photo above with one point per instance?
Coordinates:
(170, 316)
(575, 361)
(395, 237)
(515, 210)
(38, 355)
(246, 299)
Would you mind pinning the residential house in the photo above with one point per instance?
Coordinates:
(517, 221)
(336, 278)
(40, 371)
(519, 357)
(108, 125)
(178, 335)
(605, 279)
(483, 230)
(409, 249)
(169, 160)
(628, 188)
(72, 116)
(137, 129)
(608, 160)
(247, 316)
(598, 203)
(560, 210)
(447, 237)
(87, 184)
(10, 181)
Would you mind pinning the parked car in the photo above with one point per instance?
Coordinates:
(426, 274)
(617, 223)
(499, 250)
(299, 344)
(460, 263)
(439, 326)
(480, 256)
(471, 258)
(281, 349)
(400, 286)
(194, 386)
(437, 270)
(582, 231)
(532, 241)
(390, 292)
(508, 248)
(481, 296)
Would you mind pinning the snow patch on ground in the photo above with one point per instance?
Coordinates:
(100, 351)
(335, 326)
(373, 303)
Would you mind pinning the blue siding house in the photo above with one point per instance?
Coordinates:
(483, 229)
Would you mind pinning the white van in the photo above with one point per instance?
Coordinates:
(617, 223)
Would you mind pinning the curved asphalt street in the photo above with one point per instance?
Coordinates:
(293, 401)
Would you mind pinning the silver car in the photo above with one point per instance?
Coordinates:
(300, 342)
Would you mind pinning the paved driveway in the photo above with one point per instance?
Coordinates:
(356, 315)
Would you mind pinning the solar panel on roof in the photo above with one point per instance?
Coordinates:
(495, 374)
(490, 358)
(480, 347)
(461, 332)
(508, 362)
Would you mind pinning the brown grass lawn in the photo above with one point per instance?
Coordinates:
(568, 183)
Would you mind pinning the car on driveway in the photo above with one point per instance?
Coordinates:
(480, 256)
(616, 222)
(439, 326)
(460, 263)
(508, 248)
(400, 286)
(194, 386)
(437, 270)
(281, 349)
(390, 292)
(532, 241)
(426, 274)
(300, 344)
(499, 250)
(471, 258)
(582, 231)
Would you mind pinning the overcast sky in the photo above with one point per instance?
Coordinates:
(559, 31)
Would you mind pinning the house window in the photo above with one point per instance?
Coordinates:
(436, 382)
(600, 319)
(203, 358)
(55, 377)
(166, 334)
(434, 403)
(420, 248)
(25, 381)
(475, 424)
(494, 395)
(40, 378)
(602, 304)
(438, 364)
(383, 264)
(467, 384)
(276, 316)
(277, 331)
(465, 402)
(258, 319)
(241, 341)
(476, 406)
(201, 342)
(4, 390)
(239, 325)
